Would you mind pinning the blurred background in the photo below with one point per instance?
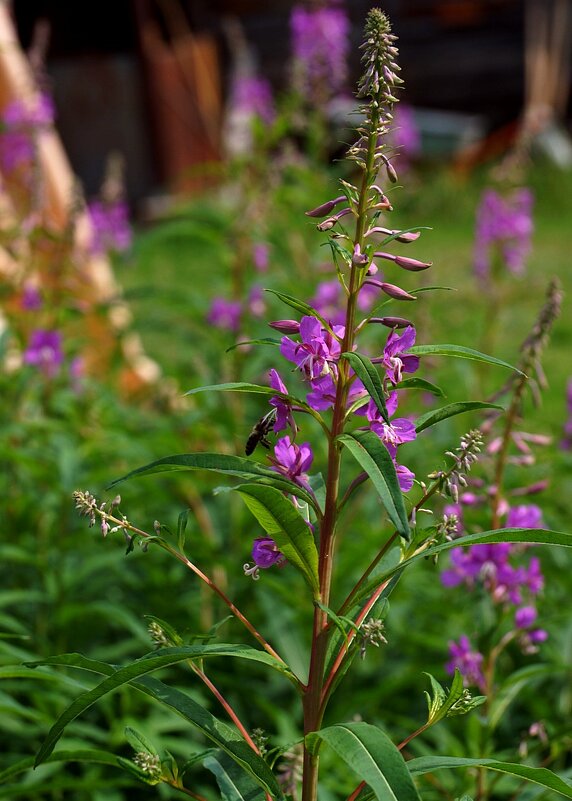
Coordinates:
(153, 79)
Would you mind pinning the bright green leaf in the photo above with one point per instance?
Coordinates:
(460, 351)
(372, 455)
(452, 409)
(280, 519)
(369, 752)
(542, 776)
(368, 375)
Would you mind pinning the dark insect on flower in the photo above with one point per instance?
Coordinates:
(259, 434)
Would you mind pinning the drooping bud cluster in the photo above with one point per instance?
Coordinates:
(536, 341)
(149, 764)
(372, 634)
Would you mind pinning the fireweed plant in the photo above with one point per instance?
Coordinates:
(301, 514)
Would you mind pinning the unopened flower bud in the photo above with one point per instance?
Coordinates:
(391, 174)
(414, 265)
(372, 269)
(391, 322)
(331, 221)
(396, 292)
(285, 326)
(325, 208)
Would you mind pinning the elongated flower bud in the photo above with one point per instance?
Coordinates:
(396, 292)
(285, 326)
(331, 221)
(414, 265)
(325, 208)
(405, 237)
(391, 322)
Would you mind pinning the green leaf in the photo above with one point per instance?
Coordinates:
(367, 373)
(280, 519)
(262, 341)
(75, 755)
(221, 463)
(134, 674)
(370, 753)
(300, 306)
(182, 521)
(542, 776)
(456, 701)
(254, 389)
(510, 689)
(372, 455)
(139, 742)
(234, 784)
(420, 383)
(459, 351)
(452, 409)
(530, 535)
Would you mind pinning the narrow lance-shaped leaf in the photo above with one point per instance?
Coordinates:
(369, 752)
(368, 375)
(459, 351)
(281, 521)
(300, 306)
(436, 415)
(421, 383)
(220, 733)
(220, 463)
(253, 389)
(234, 784)
(372, 455)
(529, 535)
(541, 776)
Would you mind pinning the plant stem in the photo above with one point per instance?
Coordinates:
(312, 701)
(125, 525)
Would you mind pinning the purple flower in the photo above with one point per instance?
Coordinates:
(284, 417)
(328, 301)
(525, 617)
(320, 43)
(22, 123)
(225, 314)
(293, 460)
(45, 351)
(468, 662)
(406, 137)
(317, 350)
(504, 225)
(265, 554)
(256, 304)
(405, 477)
(110, 226)
(251, 96)
(524, 516)
(323, 394)
(394, 433)
(31, 298)
(260, 256)
(394, 359)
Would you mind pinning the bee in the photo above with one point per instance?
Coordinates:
(259, 433)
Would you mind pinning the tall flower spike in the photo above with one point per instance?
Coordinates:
(378, 83)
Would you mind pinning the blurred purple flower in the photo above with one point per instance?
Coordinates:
(22, 122)
(468, 662)
(320, 44)
(110, 227)
(261, 256)
(45, 352)
(251, 96)
(525, 617)
(524, 516)
(225, 314)
(405, 136)
(503, 224)
(405, 477)
(31, 298)
(256, 304)
(328, 301)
